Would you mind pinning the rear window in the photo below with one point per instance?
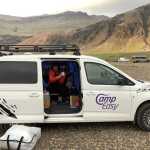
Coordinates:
(18, 72)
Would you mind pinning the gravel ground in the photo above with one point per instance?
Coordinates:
(93, 136)
(98, 136)
(136, 70)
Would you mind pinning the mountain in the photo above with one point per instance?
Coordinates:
(63, 22)
(129, 31)
(10, 39)
(126, 32)
(9, 18)
(42, 38)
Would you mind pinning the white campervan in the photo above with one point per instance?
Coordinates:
(93, 91)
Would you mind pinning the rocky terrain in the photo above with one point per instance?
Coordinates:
(63, 22)
(11, 39)
(126, 32)
(14, 30)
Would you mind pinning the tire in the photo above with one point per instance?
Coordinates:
(143, 117)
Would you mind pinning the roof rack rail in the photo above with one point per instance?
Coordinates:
(52, 49)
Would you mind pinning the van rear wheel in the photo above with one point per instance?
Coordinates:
(143, 117)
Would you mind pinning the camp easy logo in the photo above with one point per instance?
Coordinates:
(107, 102)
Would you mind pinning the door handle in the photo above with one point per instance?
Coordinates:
(34, 95)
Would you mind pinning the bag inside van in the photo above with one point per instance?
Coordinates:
(61, 87)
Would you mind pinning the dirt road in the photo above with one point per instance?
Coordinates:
(135, 70)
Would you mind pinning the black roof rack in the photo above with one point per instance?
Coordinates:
(52, 49)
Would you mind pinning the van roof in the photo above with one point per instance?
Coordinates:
(35, 57)
(24, 52)
(51, 49)
(40, 56)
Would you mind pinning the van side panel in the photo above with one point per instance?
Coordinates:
(22, 103)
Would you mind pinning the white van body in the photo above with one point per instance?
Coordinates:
(101, 103)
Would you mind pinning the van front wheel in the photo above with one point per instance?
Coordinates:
(143, 117)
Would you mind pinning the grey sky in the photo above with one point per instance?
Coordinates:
(39, 7)
(116, 7)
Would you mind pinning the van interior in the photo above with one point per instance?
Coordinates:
(65, 98)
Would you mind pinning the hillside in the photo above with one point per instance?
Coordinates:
(126, 32)
(41, 38)
(63, 22)
(10, 39)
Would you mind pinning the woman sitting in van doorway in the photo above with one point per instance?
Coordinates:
(57, 81)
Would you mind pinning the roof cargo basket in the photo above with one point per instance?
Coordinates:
(51, 49)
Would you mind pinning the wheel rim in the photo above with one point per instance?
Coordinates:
(146, 118)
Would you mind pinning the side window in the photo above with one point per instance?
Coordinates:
(103, 75)
(18, 72)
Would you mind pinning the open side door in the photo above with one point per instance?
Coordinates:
(61, 104)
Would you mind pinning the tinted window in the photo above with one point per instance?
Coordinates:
(18, 72)
(103, 75)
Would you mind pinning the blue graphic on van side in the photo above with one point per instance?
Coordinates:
(107, 102)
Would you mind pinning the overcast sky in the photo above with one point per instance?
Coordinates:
(38, 7)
